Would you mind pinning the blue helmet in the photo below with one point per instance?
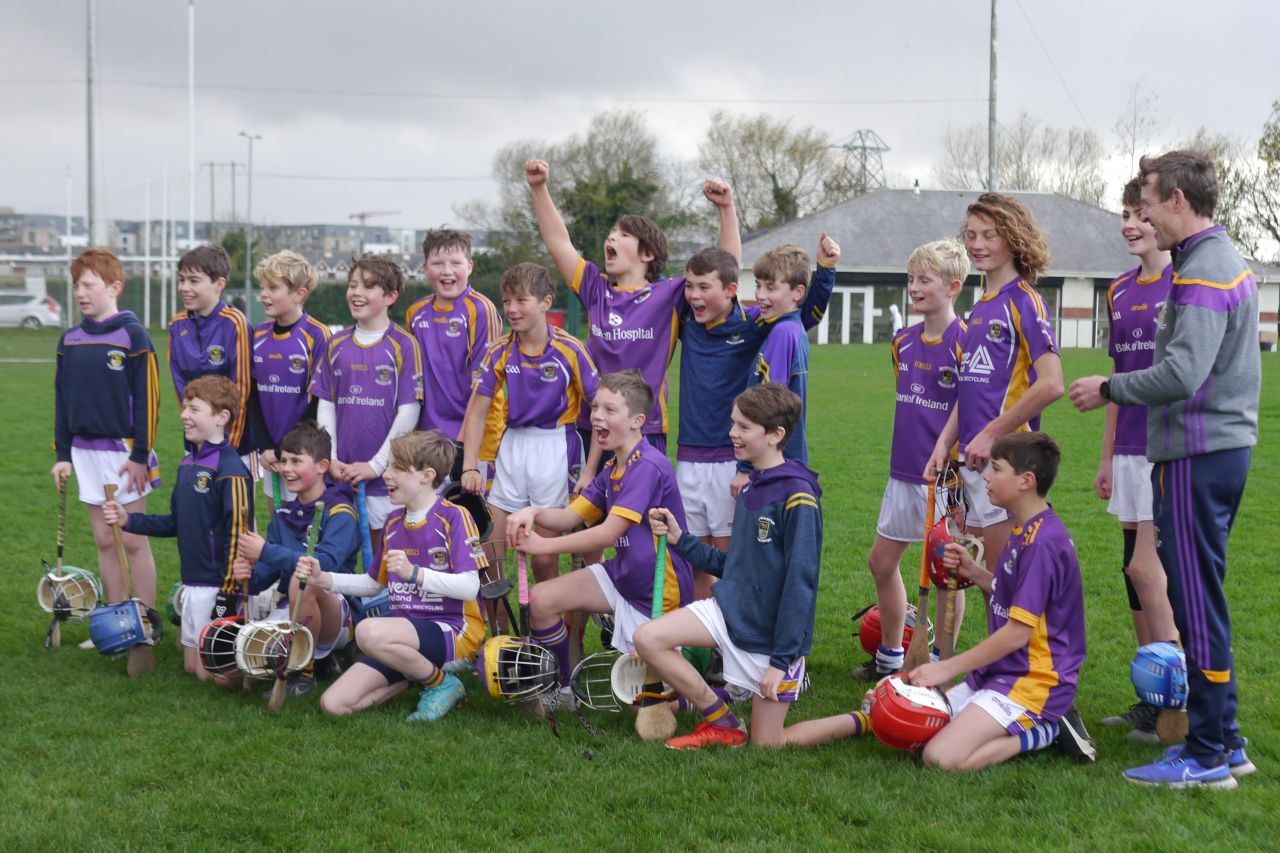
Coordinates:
(1159, 674)
(116, 628)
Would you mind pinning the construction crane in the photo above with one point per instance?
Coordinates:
(364, 215)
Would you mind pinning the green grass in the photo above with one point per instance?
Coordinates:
(95, 759)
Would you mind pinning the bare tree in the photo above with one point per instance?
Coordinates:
(778, 173)
(1137, 125)
(1263, 192)
(1235, 174)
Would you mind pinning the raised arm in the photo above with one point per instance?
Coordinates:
(555, 236)
(720, 194)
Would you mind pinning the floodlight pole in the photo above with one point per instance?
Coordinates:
(248, 222)
(191, 120)
(992, 129)
(91, 67)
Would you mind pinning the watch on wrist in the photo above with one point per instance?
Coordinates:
(1105, 390)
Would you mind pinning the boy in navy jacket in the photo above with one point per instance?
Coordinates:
(211, 505)
(761, 612)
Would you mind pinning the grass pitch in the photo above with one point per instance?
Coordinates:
(94, 759)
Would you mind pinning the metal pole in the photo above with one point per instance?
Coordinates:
(146, 254)
(213, 230)
(191, 121)
(992, 130)
(91, 67)
(165, 307)
(248, 222)
(70, 284)
(232, 164)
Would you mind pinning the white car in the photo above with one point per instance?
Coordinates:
(29, 311)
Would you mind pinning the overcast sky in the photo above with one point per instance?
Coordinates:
(414, 90)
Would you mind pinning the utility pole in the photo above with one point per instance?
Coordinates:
(233, 194)
(91, 67)
(191, 120)
(248, 221)
(213, 228)
(146, 256)
(992, 129)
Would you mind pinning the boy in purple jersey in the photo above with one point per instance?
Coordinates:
(209, 336)
(616, 503)
(106, 405)
(1011, 370)
(286, 350)
(454, 326)
(782, 280)
(369, 384)
(1202, 390)
(545, 378)
(1124, 474)
(431, 567)
(634, 318)
(1022, 678)
(926, 364)
(761, 614)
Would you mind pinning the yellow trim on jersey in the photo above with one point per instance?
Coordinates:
(243, 377)
(240, 510)
(1215, 285)
(586, 509)
(762, 367)
(1020, 374)
(629, 514)
(342, 508)
(1217, 676)
(1024, 616)
(1031, 691)
(575, 282)
(801, 499)
(467, 642)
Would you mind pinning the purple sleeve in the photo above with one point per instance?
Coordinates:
(1036, 569)
(638, 488)
(465, 552)
(1111, 325)
(484, 333)
(589, 285)
(773, 362)
(1035, 326)
(320, 379)
(596, 490)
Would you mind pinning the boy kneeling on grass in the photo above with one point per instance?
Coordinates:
(761, 611)
(1022, 678)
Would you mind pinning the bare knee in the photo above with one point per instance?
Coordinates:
(944, 759)
(646, 639)
(332, 706)
(765, 739)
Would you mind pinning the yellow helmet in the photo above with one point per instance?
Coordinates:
(514, 669)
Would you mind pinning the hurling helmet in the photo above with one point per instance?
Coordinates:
(266, 650)
(592, 682)
(869, 628)
(942, 533)
(68, 592)
(514, 669)
(116, 628)
(1159, 674)
(217, 643)
(904, 716)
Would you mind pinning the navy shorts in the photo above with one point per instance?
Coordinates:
(431, 644)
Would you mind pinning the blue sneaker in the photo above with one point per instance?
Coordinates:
(1174, 770)
(437, 701)
(1238, 764)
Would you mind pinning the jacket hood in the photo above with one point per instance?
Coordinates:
(118, 320)
(777, 483)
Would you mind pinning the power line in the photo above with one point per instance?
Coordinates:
(1054, 66)
(371, 178)
(453, 96)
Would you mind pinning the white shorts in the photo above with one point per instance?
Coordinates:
(743, 669)
(251, 465)
(626, 619)
(197, 611)
(1130, 488)
(378, 508)
(96, 468)
(902, 511)
(267, 478)
(1011, 716)
(281, 614)
(531, 469)
(704, 488)
(979, 510)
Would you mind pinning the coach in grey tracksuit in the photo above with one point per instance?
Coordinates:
(1202, 392)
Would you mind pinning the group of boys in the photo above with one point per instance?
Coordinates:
(556, 434)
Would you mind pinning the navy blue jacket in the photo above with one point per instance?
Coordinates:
(107, 385)
(768, 587)
(287, 539)
(211, 505)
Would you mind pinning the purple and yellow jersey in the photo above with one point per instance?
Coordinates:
(215, 344)
(1037, 583)
(631, 327)
(545, 390)
(1134, 304)
(445, 541)
(453, 341)
(1006, 332)
(366, 384)
(284, 363)
(784, 358)
(927, 373)
(628, 489)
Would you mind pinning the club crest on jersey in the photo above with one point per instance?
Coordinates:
(575, 471)
(382, 374)
(547, 372)
(995, 331)
(454, 328)
(297, 364)
(946, 377)
(643, 295)
(203, 478)
(439, 557)
(734, 339)
(1160, 315)
(764, 529)
(476, 374)
(115, 359)
(217, 354)
(477, 549)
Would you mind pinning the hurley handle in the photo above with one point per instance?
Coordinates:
(928, 526)
(313, 535)
(366, 544)
(62, 520)
(110, 491)
(522, 579)
(659, 577)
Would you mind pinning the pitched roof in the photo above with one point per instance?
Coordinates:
(877, 232)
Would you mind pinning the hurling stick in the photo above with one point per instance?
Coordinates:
(918, 653)
(141, 657)
(654, 719)
(54, 637)
(247, 522)
(576, 620)
(278, 690)
(362, 512)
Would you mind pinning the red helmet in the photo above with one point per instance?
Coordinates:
(869, 629)
(942, 534)
(217, 643)
(904, 716)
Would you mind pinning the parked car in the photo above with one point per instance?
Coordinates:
(29, 311)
